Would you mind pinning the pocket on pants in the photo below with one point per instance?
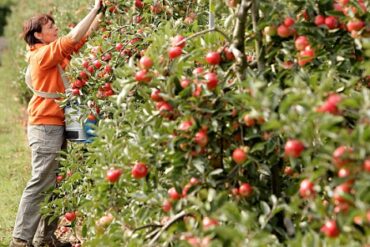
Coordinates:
(46, 138)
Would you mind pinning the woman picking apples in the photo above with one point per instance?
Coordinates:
(48, 55)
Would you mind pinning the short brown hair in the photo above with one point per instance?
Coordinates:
(34, 25)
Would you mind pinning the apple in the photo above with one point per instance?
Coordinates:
(330, 229)
(288, 171)
(293, 148)
(211, 80)
(184, 83)
(85, 64)
(105, 220)
(155, 95)
(139, 4)
(113, 175)
(339, 191)
(245, 190)
(194, 181)
(174, 52)
(366, 165)
(239, 155)
(331, 22)
(97, 64)
(140, 170)
(355, 25)
(249, 121)
(179, 41)
(284, 31)
(166, 206)
(344, 173)
(142, 76)
(289, 21)
(70, 216)
(339, 156)
(306, 189)
(301, 43)
(319, 20)
(185, 125)
(146, 62)
(173, 194)
(59, 178)
(209, 223)
(213, 58)
(119, 47)
(201, 138)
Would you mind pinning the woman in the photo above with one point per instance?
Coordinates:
(47, 55)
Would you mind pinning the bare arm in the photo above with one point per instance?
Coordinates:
(94, 24)
(81, 29)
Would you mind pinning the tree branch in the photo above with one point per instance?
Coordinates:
(177, 217)
(147, 226)
(237, 46)
(204, 32)
(259, 46)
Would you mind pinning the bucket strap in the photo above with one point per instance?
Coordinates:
(42, 94)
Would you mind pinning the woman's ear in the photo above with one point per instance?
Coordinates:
(38, 36)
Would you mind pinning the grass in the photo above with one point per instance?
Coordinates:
(15, 166)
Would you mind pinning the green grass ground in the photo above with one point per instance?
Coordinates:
(14, 152)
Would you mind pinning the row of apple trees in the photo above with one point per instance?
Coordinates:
(221, 123)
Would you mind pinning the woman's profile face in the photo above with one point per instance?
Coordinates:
(49, 32)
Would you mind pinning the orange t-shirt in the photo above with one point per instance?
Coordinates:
(45, 77)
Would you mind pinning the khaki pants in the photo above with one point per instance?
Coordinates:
(45, 141)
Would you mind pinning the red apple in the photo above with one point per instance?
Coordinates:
(245, 190)
(139, 170)
(174, 52)
(239, 155)
(293, 148)
(179, 41)
(173, 194)
(146, 62)
(201, 138)
(213, 58)
(340, 156)
(113, 175)
(166, 206)
(306, 189)
(211, 80)
(330, 229)
(301, 43)
(70, 216)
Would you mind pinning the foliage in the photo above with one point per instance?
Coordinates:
(266, 93)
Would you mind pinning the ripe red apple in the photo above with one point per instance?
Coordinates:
(340, 156)
(146, 62)
(119, 47)
(83, 75)
(139, 170)
(97, 64)
(355, 25)
(201, 138)
(319, 20)
(106, 57)
(344, 172)
(76, 91)
(155, 95)
(173, 194)
(366, 165)
(78, 84)
(85, 64)
(177, 39)
(184, 83)
(174, 52)
(301, 43)
(306, 56)
(139, 4)
(59, 178)
(284, 31)
(249, 121)
(211, 80)
(306, 189)
(108, 69)
(113, 175)
(245, 190)
(288, 171)
(331, 22)
(330, 229)
(185, 125)
(339, 191)
(289, 21)
(142, 76)
(166, 206)
(213, 58)
(198, 71)
(70, 216)
(209, 223)
(239, 155)
(293, 148)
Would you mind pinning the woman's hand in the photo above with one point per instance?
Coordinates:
(98, 4)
